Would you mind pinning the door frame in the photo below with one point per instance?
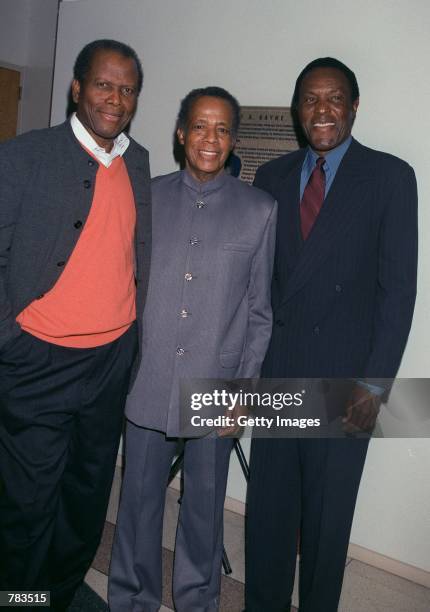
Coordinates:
(21, 71)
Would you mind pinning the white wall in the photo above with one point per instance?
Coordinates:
(27, 43)
(40, 62)
(14, 31)
(256, 50)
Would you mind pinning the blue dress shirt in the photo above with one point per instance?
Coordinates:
(330, 166)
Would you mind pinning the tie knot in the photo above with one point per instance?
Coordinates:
(320, 162)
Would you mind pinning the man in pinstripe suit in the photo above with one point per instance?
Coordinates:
(343, 298)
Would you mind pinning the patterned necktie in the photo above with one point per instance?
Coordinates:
(313, 198)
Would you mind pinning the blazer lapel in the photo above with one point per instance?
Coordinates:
(138, 172)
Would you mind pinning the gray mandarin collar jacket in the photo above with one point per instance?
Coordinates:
(208, 311)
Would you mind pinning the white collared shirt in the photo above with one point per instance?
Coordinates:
(120, 143)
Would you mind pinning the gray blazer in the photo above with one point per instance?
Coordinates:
(208, 311)
(46, 187)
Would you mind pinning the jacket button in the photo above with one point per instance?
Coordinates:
(279, 323)
(39, 297)
(60, 264)
(180, 350)
(188, 276)
(338, 288)
(316, 330)
(91, 163)
(78, 224)
(87, 184)
(200, 204)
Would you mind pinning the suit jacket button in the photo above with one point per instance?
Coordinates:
(188, 276)
(316, 330)
(91, 162)
(279, 323)
(338, 288)
(39, 297)
(87, 184)
(78, 224)
(180, 350)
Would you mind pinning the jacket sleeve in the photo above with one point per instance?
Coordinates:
(10, 201)
(259, 304)
(397, 276)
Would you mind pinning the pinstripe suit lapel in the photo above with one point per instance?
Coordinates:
(289, 215)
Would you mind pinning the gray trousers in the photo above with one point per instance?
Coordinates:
(135, 581)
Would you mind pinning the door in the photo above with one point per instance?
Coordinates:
(9, 101)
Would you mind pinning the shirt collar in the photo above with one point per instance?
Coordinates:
(333, 157)
(120, 143)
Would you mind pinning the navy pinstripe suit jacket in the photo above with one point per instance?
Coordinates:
(343, 300)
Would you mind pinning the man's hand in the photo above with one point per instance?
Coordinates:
(361, 411)
(234, 430)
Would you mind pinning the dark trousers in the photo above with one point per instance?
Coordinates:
(135, 579)
(61, 416)
(308, 486)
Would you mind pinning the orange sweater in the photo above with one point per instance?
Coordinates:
(93, 301)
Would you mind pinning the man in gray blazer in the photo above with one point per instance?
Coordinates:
(207, 315)
(74, 216)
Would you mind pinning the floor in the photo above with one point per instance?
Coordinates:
(365, 588)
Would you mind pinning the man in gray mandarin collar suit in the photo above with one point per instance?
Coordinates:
(208, 315)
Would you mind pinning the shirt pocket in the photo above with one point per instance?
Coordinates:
(230, 359)
(237, 247)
